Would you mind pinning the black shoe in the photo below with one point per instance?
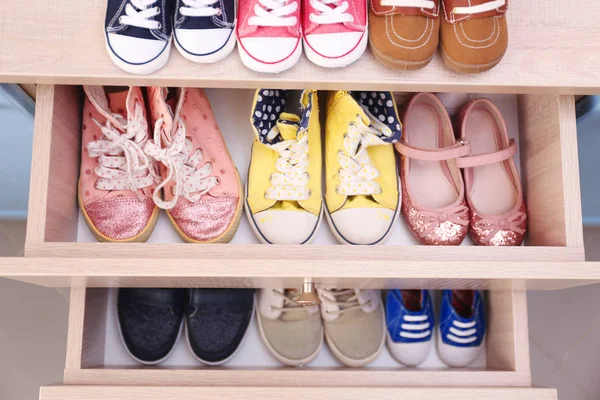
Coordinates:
(216, 322)
(138, 34)
(150, 321)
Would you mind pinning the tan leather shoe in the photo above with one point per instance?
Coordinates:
(404, 34)
(474, 34)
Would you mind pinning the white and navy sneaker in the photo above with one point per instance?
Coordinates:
(462, 327)
(205, 29)
(138, 34)
(410, 324)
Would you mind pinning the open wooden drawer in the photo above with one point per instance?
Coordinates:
(61, 252)
(96, 356)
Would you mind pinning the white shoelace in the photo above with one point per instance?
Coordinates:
(330, 15)
(462, 332)
(344, 300)
(138, 13)
(289, 302)
(199, 8)
(429, 4)
(415, 327)
(481, 8)
(122, 164)
(357, 173)
(274, 13)
(290, 182)
(190, 181)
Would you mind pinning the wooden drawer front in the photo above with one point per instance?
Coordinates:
(96, 356)
(269, 393)
(59, 251)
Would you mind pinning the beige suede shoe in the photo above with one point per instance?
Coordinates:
(354, 322)
(292, 333)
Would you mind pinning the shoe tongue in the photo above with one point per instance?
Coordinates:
(462, 301)
(117, 102)
(412, 299)
(287, 124)
(293, 294)
(173, 101)
(101, 99)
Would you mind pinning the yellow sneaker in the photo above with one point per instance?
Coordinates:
(361, 173)
(283, 190)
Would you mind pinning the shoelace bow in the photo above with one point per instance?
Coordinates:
(330, 12)
(290, 182)
(199, 8)
(182, 165)
(138, 13)
(434, 218)
(122, 164)
(511, 223)
(428, 4)
(481, 8)
(274, 13)
(330, 297)
(357, 173)
(289, 303)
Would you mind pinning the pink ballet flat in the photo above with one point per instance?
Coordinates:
(433, 194)
(493, 186)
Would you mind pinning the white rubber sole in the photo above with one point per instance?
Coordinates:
(257, 66)
(226, 360)
(289, 361)
(142, 69)
(340, 62)
(260, 237)
(384, 239)
(457, 357)
(209, 58)
(415, 361)
(148, 362)
(351, 362)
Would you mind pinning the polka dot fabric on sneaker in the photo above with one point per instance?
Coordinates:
(381, 106)
(269, 105)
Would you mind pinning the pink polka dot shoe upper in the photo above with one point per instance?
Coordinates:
(116, 179)
(200, 186)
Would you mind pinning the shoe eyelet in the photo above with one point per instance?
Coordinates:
(219, 12)
(345, 136)
(157, 9)
(308, 176)
(159, 26)
(340, 153)
(339, 171)
(309, 192)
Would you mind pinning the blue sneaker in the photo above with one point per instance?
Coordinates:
(138, 34)
(410, 324)
(462, 327)
(204, 29)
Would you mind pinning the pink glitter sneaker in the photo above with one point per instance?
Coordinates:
(433, 193)
(201, 188)
(116, 179)
(494, 194)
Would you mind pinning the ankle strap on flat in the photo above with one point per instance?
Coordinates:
(460, 149)
(488, 158)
